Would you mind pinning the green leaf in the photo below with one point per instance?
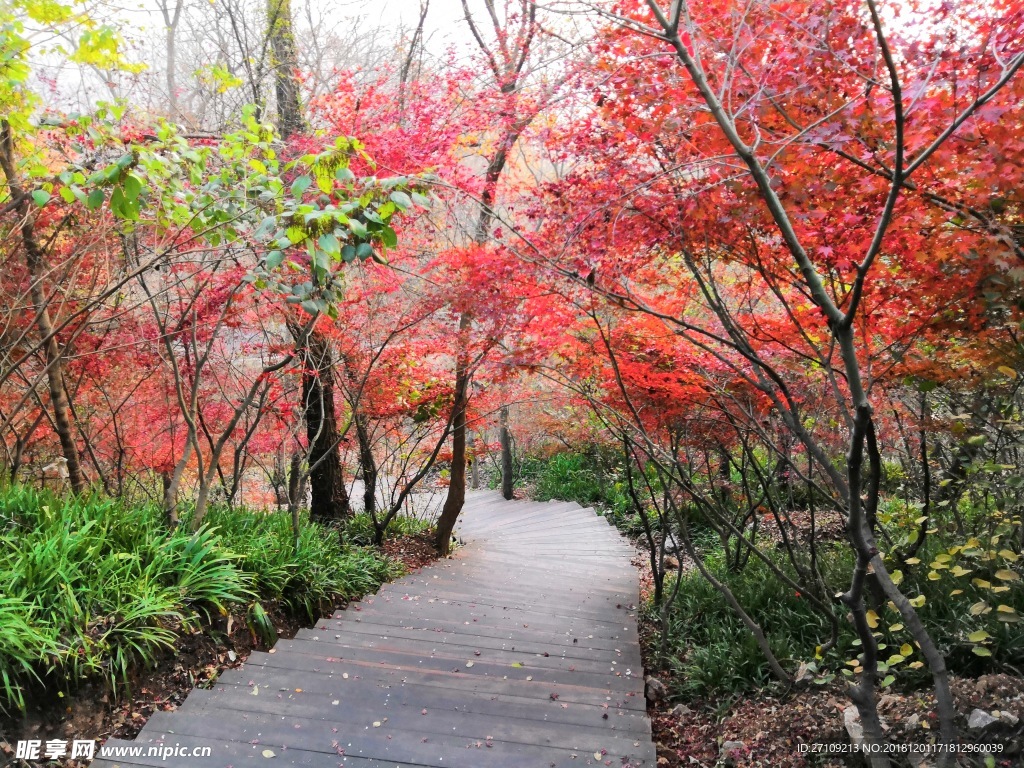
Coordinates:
(358, 228)
(94, 200)
(329, 243)
(132, 188)
(402, 200)
(41, 197)
(389, 237)
(300, 185)
(980, 650)
(979, 636)
(274, 259)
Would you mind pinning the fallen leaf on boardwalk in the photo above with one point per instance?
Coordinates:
(469, 663)
(268, 753)
(376, 723)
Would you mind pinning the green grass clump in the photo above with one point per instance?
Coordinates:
(358, 529)
(306, 578)
(93, 588)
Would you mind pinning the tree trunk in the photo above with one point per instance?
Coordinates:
(330, 497)
(286, 63)
(457, 487)
(367, 465)
(505, 438)
(35, 258)
(474, 465)
(171, 19)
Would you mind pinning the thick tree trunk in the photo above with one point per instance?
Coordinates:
(330, 497)
(505, 438)
(35, 258)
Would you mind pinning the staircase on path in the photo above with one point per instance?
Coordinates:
(519, 651)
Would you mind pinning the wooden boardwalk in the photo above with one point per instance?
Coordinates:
(520, 651)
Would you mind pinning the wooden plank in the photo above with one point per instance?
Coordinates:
(387, 742)
(312, 658)
(439, 715)
(276, 682)
(279, 692)
(469, 645)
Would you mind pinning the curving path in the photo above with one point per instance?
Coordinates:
(520, 651)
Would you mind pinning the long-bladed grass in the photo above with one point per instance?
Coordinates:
(93, 588)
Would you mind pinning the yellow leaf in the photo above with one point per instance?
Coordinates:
(979, 636)
(916, 664)
(956, 592)
(1007, 371)
(913, 560)
(980, 608)
(933, 576)
(906, 650)
(1005, 609)
(872, 619)
(981, 583)
(1005, 574)
(895, 659)
(918, 601)
(895, 627)
(1008, 555)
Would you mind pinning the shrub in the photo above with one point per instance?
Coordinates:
(711, 651)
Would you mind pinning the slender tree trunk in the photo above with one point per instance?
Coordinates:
(171, 483)
(171, 18)
(35, 258)
(457, 486)
(286, 63)
(505, 438)
(367, 465)
(474, 465)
